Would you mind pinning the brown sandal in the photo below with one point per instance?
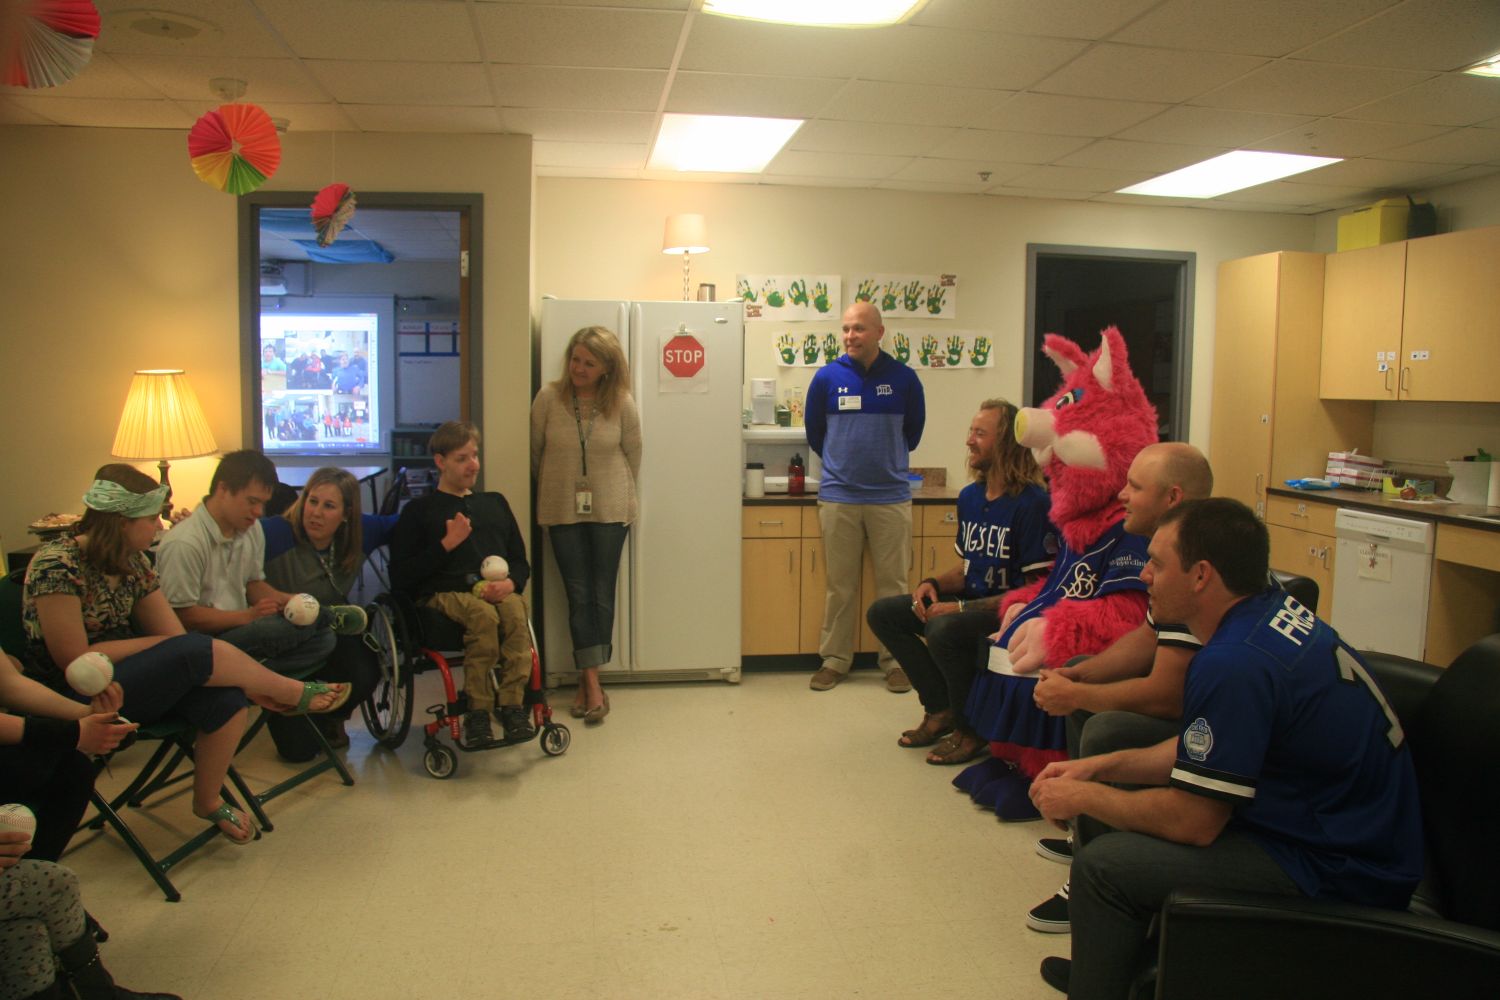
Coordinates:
(958, 748)
(932, 729)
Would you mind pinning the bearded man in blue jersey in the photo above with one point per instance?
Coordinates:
(1290, 774)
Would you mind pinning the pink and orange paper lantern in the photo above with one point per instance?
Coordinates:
(44, 43)
(235, 148)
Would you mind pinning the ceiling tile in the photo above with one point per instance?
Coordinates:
(185, 78)
(1060, 115)
(457, 84)
(580, 88)
(606, 173)
(1285, 193)
(1404, 36)
(799, 180)
(1202, 204)
(1136, 73)
(406, 118)
(866, 137)
(1007, 147)
(579, 126)
(1058, 18)
(106, 113)
(1366, 173)
(757, 96)
(726, 45)
(417, 30)
(1345, 137)
(104, 76)
(1454, 99)
(937, 187)
(949, 57)
(1251, 27)
(1026, 192)
(230, 28)
(1079, 179)
(327, 117)
(1306, 88)
(13, 114)
(1157, 157)
(804, 164)
(635, 4)
(620, 156)
(562, 36)
(910, 104)
(1212, 126)
(1463, 145)
(960, 171)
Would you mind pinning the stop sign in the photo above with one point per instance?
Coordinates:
(682, 356)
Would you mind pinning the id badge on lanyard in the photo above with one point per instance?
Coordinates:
(583, 497)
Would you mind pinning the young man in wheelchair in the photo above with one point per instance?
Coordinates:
(439, 543)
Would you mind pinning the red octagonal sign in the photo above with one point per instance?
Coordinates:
(682, 356)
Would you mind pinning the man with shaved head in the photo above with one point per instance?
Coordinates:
(865, 413)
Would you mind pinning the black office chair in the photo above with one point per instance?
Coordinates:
(1304, 589)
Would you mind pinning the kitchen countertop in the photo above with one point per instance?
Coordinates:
(923, 496)
(1443, 513)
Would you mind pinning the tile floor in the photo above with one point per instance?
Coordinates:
(708, 841)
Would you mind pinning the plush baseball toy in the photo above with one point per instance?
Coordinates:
(1084, 438)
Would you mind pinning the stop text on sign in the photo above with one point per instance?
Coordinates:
(683, 356)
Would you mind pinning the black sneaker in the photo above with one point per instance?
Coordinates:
(477, 728)
(517, 722)
(1059, 849)
(1051, 916)
(1056, 972)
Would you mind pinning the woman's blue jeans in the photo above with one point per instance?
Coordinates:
(588, 557)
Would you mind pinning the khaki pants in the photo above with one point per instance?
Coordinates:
(846, 529)
(496, 642)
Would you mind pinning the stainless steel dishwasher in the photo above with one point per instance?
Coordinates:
(1382, 576)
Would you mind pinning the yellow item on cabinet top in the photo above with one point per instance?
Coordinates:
(1383, 222)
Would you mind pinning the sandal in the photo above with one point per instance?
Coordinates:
(933, 728)
(310, 690)
(958, 748)
(227, 813)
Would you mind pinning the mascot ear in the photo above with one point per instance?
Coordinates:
(1111, 347)
(1065, 354)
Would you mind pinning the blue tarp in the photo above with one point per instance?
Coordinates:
(296, 225)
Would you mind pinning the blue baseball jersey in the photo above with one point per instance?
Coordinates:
(1281, 718)
(1003, 539)
(1111, 565)
(864, 424)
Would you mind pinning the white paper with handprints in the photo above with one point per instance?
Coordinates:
(790, 296)
(929, 296)
(951, 350)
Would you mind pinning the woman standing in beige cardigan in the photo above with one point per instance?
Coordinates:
(585, 457)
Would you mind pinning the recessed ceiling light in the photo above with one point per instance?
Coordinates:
(1486, 67)
(719, 143)
(818, 13)
(1231, 172)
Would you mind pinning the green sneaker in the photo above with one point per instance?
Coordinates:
(348, 619)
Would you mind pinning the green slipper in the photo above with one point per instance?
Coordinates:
(310, 690)
(227, 813)
(347, 619)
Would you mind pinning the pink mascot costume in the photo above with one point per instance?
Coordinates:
(1084, 438)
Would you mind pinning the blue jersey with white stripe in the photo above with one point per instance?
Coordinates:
(864, 424)
(1111, 565)
(1003, 539)
(1281, 718)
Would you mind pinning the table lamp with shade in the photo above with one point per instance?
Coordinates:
(162, 420)
(687, 235)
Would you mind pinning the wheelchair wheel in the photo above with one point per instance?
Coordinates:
(387, 712)
(556, 740)
(440, 761)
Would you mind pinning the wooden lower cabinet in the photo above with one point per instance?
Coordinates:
(769, 605)
(814, 589)
(1308, 554)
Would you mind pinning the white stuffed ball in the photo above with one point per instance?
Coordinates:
(90, 674)
(302, 609)
(18, 819)
(494, 568)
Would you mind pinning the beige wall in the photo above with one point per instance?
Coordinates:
(121, 259)
(602, 238)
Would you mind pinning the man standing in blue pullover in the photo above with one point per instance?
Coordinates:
(864, 416)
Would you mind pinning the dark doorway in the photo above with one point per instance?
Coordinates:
(1078, 291)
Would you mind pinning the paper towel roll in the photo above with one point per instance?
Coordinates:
(1494, 497)
(1471, 481)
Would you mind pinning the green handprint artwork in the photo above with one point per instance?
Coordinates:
(787, 348)
(903, 348)
(888, 300)
(955, 350)
(810, 349)
(935, 296)
(746, 292)
(820, 297)
(798, 293)
(830, 348)
(979, 355)
(911, 296)
(774, 298)
(866, 291)
(929, 350)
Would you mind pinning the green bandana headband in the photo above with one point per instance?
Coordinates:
(112, 498)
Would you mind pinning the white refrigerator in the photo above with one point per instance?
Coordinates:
(677, 611)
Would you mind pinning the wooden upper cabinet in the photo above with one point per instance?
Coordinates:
(1452, 315)
(1363, 291)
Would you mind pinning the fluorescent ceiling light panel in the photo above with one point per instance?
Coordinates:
(1231, 172)
(719, 143)
(818, 13)
(1486, 67)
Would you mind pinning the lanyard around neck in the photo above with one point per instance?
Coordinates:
(584, 434)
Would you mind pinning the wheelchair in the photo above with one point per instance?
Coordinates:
(409, 640)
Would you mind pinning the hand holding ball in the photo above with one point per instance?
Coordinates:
(16, 818)
(494, 568)
(302, 609)
(90, 674)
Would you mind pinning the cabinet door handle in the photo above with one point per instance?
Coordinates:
(1406, 379)
(813, 556)
(932, 557)
(1301, 510)
(1260, 478)
(1388, 371)
(768, 524)
(791, 562)
(1323, 558)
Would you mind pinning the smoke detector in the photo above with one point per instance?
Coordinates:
(227, 88)
(164, 25)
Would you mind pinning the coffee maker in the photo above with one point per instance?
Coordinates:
(763, 401)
